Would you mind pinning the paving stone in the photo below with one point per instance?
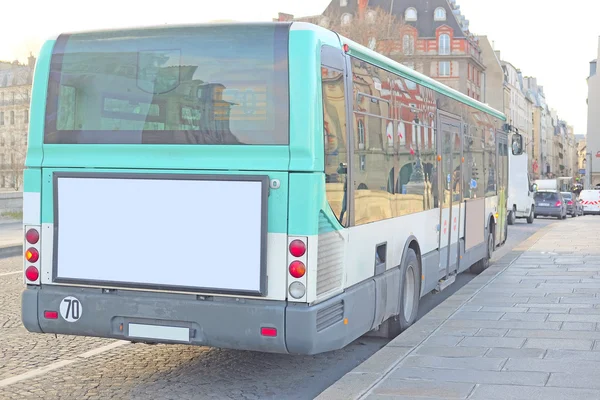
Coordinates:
(515, 353)
(551, 365)
(553, 334)
(575, 317)
(420, 389)
(584, 380)
(503, 309)
(514, 392)
(492, 342)
(470, 363)
(490, 332)
(503, 324)
(573, 355)
(578, 326)
(525, 316)
(478, 315)
(565, 344)
(442, 351)
(472, 376)
(443, 340)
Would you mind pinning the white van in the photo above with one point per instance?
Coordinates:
(590, 200)
(520, 202)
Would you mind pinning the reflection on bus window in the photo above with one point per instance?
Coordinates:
(226, 85)
(334, 134)
(394, 145)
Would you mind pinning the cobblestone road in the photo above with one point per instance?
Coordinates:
(138, 371)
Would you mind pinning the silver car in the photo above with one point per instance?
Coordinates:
(574, 208)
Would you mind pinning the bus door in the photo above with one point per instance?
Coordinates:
(502, 151)
(450, 151)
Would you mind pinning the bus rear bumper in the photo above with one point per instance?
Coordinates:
(222, 322)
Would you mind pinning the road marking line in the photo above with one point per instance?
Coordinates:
(11, 273)
(60, 364)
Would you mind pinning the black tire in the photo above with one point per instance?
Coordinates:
(484, 263)
(512, 216)
(409, 271)
(530, 218)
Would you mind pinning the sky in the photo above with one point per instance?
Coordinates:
(550, 39)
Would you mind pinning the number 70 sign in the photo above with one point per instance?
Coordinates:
(71, 309)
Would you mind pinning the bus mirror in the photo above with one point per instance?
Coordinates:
(517, 144)
(342, 169)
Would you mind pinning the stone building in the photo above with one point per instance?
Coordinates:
(15, 94)
(434, 39)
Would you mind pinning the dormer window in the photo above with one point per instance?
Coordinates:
(439, 14)
(346, 19)
(371, 15)
(343, 3)
(410, 14)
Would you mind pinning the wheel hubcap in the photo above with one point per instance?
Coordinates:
(409, 292)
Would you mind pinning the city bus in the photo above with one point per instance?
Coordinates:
(270, 187)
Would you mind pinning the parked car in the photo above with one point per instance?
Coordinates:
(550, 204)
(574, 207)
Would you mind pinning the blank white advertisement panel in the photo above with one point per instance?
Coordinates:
(162, 233)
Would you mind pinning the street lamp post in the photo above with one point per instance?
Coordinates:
(417, 174)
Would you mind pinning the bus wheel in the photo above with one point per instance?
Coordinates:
(410, 294)
(484, 263)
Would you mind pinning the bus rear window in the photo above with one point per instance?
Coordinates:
(214, 84)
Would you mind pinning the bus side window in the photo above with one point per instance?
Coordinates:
(334, 135)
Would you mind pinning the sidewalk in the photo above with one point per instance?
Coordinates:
(527, 328)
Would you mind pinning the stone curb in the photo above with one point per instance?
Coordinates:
(362, 379)
(12, 250)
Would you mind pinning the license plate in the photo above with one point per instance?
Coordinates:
(158, 332)
(544, 204)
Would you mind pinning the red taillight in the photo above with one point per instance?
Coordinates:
(271, 332)
(51, 314)
(32, 255)
(32, 274)
(297, 269)
(558, 204)
(570, 203)
(32, 236)
(297, 248)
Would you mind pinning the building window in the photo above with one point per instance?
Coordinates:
(408, 45)
(1, 117)
(410, 14)
(12, 97)
(12, 117)
(444, 68)
(26, 116)
(343, 3)
(440, 14)
(444, 44)
(346, 18)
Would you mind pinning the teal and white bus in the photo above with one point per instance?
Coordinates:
(271, 187)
